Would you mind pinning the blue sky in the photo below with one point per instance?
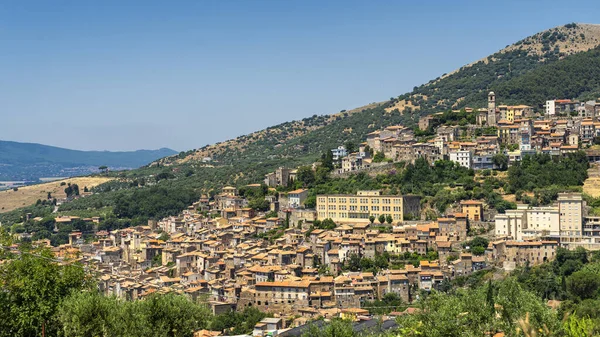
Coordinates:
(124, 75)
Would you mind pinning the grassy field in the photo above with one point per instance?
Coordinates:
(28, 195)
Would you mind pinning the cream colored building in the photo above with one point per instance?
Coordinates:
(528, 222)
(359, 207)
(542, 221)
(564, 220)
(510, 224)
(571, 207)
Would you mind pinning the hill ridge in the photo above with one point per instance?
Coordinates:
(525, 55)
(29, 161)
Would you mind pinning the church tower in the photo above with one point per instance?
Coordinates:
(491, 117)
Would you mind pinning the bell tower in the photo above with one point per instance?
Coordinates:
(491, 117)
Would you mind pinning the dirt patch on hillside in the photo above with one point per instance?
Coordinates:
(28, 195)
(591, 185)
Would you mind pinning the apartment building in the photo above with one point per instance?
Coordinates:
(528, 222)
(563, 220)
(463, 158)
(339, 153)
(571, 207)
(359, 207)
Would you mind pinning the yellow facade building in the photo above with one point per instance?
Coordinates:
(352, 208)
(473, 209)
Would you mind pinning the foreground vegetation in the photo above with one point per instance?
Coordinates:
(40, 296)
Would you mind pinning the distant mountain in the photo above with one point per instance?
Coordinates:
(29, 161)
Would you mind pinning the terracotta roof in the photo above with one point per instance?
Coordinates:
(471, 202)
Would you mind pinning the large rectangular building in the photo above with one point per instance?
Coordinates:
(571, 207)
(528, 222)
(359, 207)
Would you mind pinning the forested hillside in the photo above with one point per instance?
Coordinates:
(529, 72)
(470, 84)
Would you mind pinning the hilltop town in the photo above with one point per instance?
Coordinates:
(270, 246)
(468, 206)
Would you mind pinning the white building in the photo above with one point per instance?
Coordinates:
(550, 108)
(564, 220)
(463, 158)
(510, 224)
(542, 221)
(528, 222)
(339, 153)
(296, 198)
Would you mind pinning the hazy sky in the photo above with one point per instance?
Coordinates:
(124, 75)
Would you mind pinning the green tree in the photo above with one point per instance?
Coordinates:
(490, 297)
(353, 262)
(378, 157)
(372, 219)
(89, 314)
(72, 190)
(500, 161)
(306, 176)
(350, 146)
(336, 328)
(36, 285)
(164, 236)
(173, 315)
(327, 161)
(389, 219)
(579, 327)
(237, 323)
(381, 219)
(583, 284)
